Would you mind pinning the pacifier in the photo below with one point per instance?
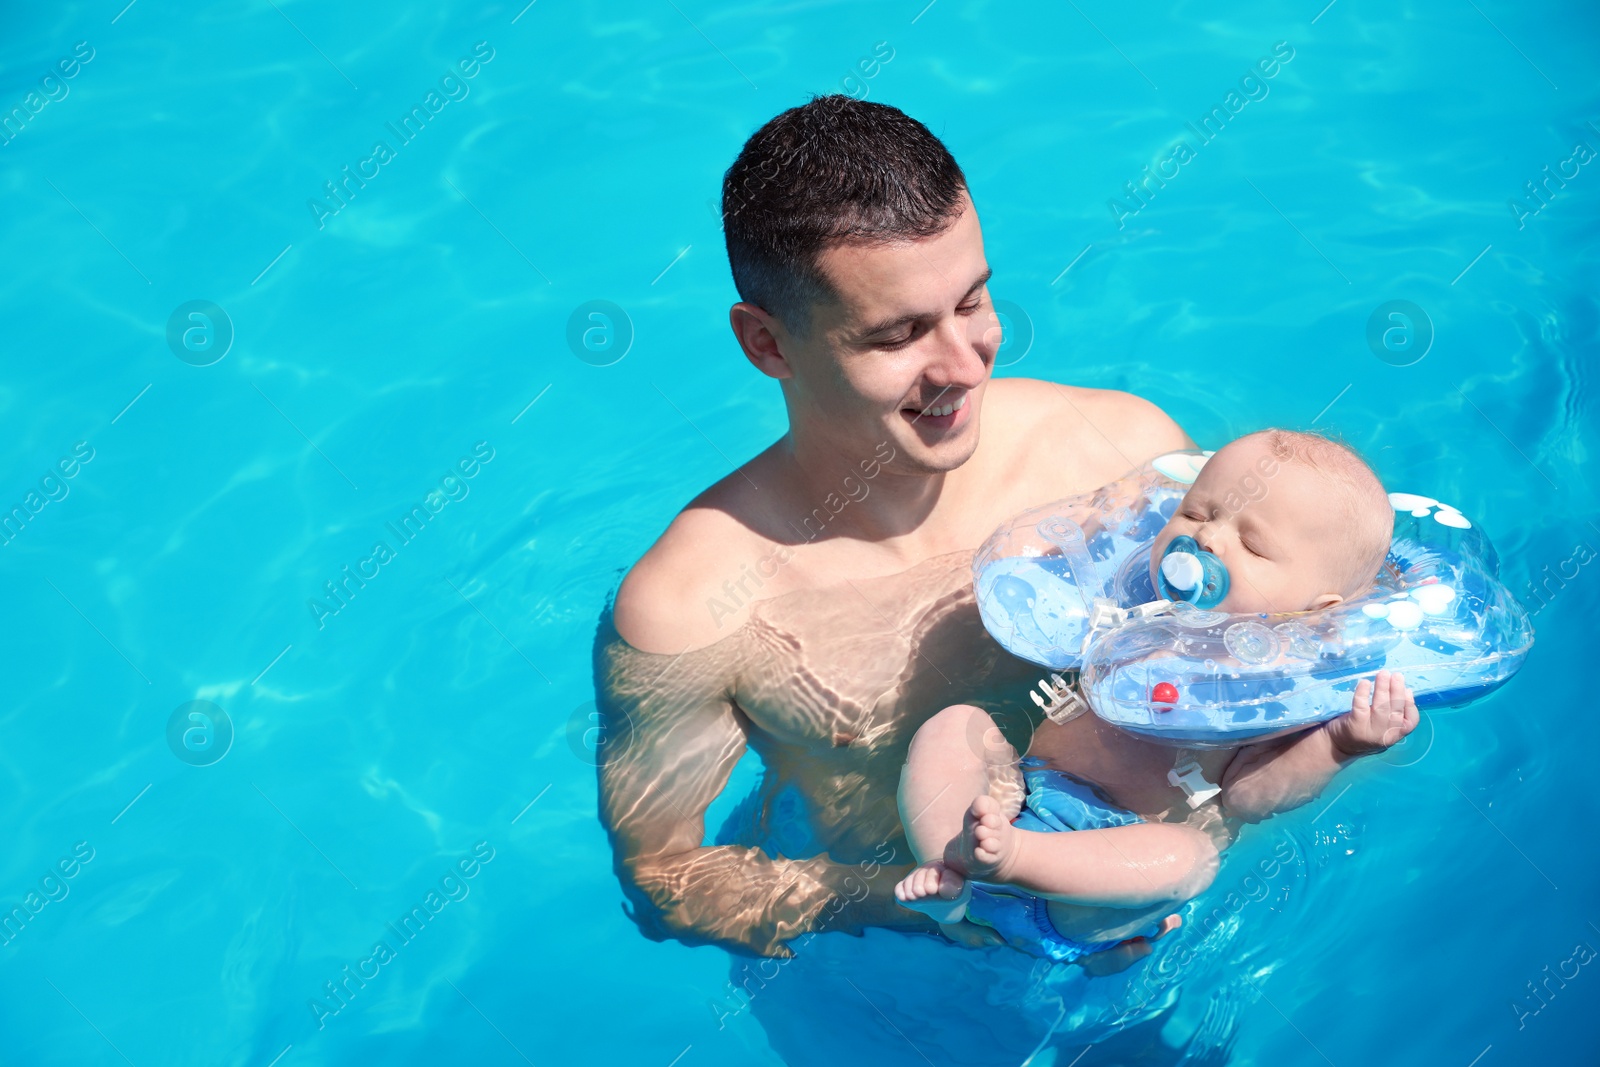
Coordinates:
(1191, 574)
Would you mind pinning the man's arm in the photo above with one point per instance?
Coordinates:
(672, 737)
(1265, 779)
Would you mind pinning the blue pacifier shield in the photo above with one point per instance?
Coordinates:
(1191, 574)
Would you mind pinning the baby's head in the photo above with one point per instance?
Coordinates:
(1300, 522)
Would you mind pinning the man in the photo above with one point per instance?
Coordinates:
(815, 605)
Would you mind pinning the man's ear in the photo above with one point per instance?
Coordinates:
(1326, 600)
(762, 337)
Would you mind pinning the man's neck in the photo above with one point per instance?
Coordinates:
(885, 502)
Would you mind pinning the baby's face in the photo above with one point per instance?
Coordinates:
(1271, 523)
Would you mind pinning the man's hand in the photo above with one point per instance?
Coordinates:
(971, 934)
(1381, 714)
(1121, 957)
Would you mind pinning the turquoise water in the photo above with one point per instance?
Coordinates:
(441, 708)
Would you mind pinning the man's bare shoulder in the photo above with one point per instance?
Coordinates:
(670, 600)
(1119, 427)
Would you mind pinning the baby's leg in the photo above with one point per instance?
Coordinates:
(1133, 866)
(956, 756)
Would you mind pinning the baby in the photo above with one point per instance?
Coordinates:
(1300, 523)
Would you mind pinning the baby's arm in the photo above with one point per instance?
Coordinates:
(1278, 776)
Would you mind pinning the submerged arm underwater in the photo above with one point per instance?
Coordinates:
(672, 737)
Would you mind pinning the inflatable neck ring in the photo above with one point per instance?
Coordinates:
(1050, 581)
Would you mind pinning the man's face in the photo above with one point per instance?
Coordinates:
(912, 336)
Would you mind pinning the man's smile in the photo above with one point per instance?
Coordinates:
(941, 414)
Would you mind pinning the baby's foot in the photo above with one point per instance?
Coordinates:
(988, 846)
(936, 891)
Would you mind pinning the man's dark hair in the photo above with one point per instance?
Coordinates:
(834, 169)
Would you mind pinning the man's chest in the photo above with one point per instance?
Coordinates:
(866, 662)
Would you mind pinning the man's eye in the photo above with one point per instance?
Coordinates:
(967, 309)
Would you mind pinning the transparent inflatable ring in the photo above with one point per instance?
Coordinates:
(1201, 678)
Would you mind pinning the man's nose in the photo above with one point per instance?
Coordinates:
(961, 361)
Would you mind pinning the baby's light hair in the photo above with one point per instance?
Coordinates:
(1362, 499)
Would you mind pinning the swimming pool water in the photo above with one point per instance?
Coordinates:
(430, 718)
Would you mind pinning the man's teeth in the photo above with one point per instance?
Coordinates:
(945, 409)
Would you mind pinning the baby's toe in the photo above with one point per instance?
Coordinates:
(991, 820)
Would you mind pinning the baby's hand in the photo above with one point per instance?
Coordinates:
(1380, 715)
